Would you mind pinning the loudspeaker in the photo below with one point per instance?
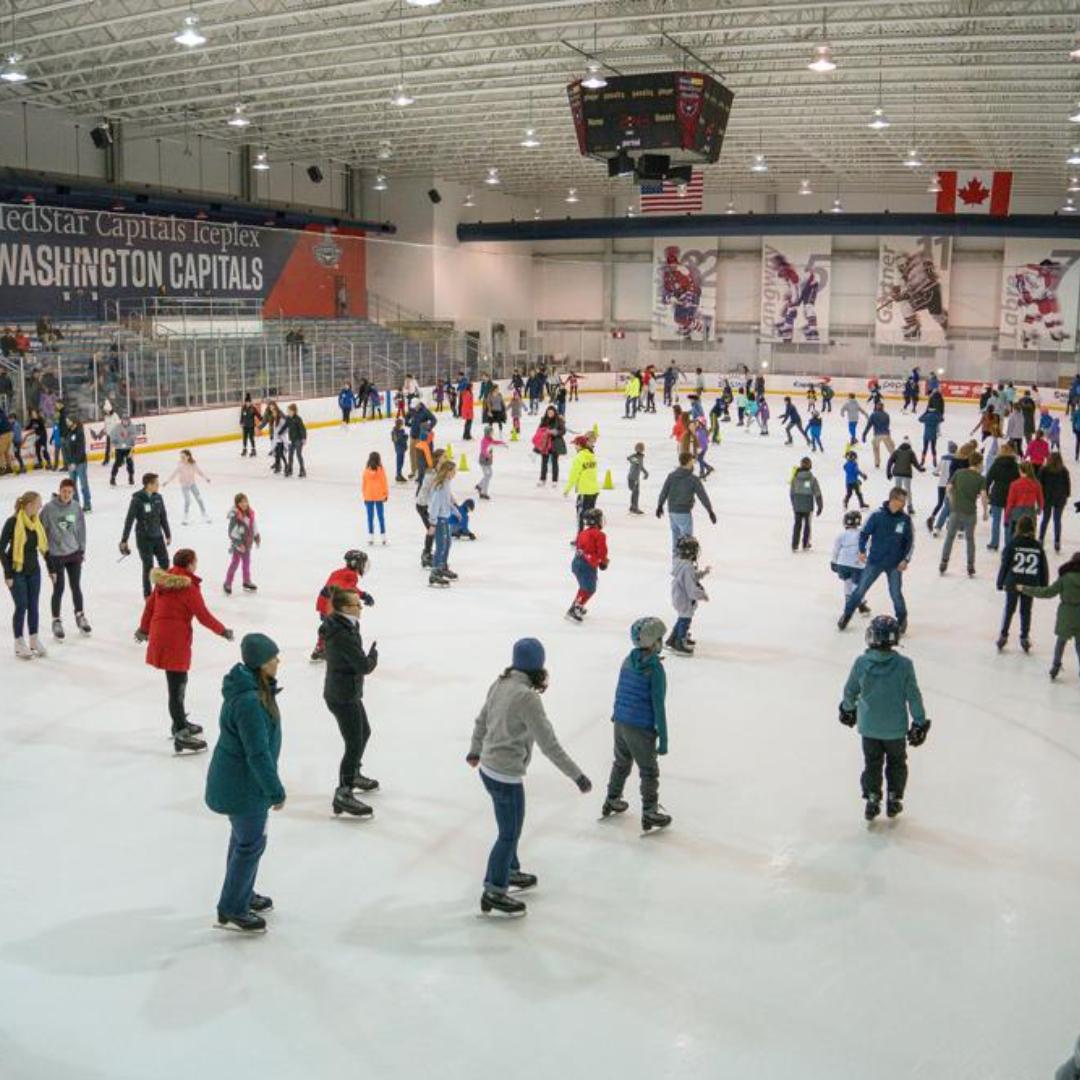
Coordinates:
(434, 195)
(314, 174)
(101, 136)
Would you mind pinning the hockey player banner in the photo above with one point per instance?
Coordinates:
(796, 274)
(684, 289)
(1040, 288)
(974, 191)
(913, 290)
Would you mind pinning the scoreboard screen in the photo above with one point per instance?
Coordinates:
(682, 113)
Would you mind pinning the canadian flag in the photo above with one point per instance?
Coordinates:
(976, 191)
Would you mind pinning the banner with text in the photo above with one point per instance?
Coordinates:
(1040, 287)
(66, 262)
(913, 290)
(684, 289)
(796, 274)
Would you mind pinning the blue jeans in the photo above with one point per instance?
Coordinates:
(681, 525)
(682, 627)
(78, 474)
(373, 509)
(852, 429)
(25, 589)
(996, 513)
(399, 460)
(943, 516)
(442, 544)
(246, 845)
(871, 572)
(509, 802)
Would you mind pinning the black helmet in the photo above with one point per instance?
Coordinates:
(687, 547)
(852, 519)
(356, 560)
(883, 632)
(593, 517)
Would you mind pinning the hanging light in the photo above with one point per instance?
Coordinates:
(493, 178)
(879, 121)
(934, 187)
(1074, 157)
(680, 189)
(422, 3)
(13, 71)
(401, 97)
(531, 140)
(385, 151)
(261, 162)
(593, 79)
(823, 62)
(1074, 184)
(380, 182)
(760, 165)
(238, 119)
(804, 188)
(571, 195)
(1074, 53)
(469, 202)
(1069, 207)
(1074, 116)
(537, 213)
(189, 34)
(913, 161)
(837, 206)
(731, 207)
(630, 211)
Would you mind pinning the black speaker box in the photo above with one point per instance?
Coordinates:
(314, 174)
(434, 195)
(101, 136)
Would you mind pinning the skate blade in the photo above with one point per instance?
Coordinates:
(344, 814)
(237, 930)
(501, 916)
(186, 752)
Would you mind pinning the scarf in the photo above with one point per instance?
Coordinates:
(23, 524)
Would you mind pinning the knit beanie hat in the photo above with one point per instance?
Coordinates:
(256, 649)
(528, 655)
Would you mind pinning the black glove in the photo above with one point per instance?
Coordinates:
(659, 511)
(227, 634)
(473, 759)
(124, 549)
(584, 784)
(712, 517)
(917, 733)
(847, 716)
(368, 599)
(373, 653)
(141, 637)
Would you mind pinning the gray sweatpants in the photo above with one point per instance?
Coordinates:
(904, 482)
(485, 480)
(635, 746)
(956, 523)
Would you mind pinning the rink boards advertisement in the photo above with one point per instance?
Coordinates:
(913, 290)
(796, 273)
(684, 289)
(64, 262)
(1040, 289)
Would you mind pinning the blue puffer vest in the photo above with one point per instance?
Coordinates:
(633, 694)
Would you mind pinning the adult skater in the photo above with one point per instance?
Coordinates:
(879, 422)
(123, 440)
(343, 691)
(466, 410)
(999, 477)
(1057, 489)
(1067, 622)
(671, 377)
(243, 780)
(22, 542)
(886, 544)
(899, 469)
(65, 529)
(879, 693)
(73, 442)
(851, 410)
(680, 491)
(966, 488)
(1023, 562)
(148, 516)
(297, 434)
(549, 441)
(931, 422)
(792, 421)
(249, 421)
(165, 627)
(440, 503)
(511, 720)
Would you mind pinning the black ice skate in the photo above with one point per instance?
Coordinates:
(575, 612)
(260, 904)
(680, 648)
(364, 783)
(185, 743)
(841, 623)
(436, 578)
(250, 586)
(873, 807)
(1001, 642)
(494, 901)
(893, 807)
(1055, 671)
(248, 924)
(346, 803)
(654, 819)
(188, 728)
(1025, 644)
(58, 630)
(520, 880)
(425, 561)
(81, 623)
(448, 573)
(614, 806)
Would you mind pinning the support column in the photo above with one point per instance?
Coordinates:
(114, 153)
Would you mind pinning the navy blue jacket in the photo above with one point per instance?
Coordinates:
(420, 416)
(890, 537)
(640, 693)
(877, 422)
(346, 399)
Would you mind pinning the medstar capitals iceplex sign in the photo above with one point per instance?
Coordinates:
(54, 260)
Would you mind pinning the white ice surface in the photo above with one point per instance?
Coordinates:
(767, 934)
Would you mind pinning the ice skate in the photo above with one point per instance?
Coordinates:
(58, 629)
(227, 590)
(436, 578)
(614, 806)
(185, 743)
(346, 803)
(317, 656)
(520, 880)
(82, 623)
(575, 612)
(1001, 642)
(448, 573)
(496, 901)
(873, 807)
(37, 648)
(902, 626)
(680, 648)
(863, 608)
(247, 924)
(1025, 644)
(22, 650)
(425, 561)
(188, 728)
(841, 623)
(250, 586)
(1055, 671)
(259, 904)
(893, 807)
(184, 521)
(635, 510)
(654, 819)
(364, 783)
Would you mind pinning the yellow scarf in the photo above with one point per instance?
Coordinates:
(23, 524)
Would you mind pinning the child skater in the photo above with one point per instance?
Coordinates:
(633, 477)
(186, 471)
(1023, 562)
(1067, 624)
(813, 429)
(345, 577)
(878, 694)
(375, 491)
(853, 477)
(400, 438)
(763, 415)
(243, 533)
(516, 406)
(639, 719)
(459, 520)
(701, 440)
(845, 557)
(686, 591)
(487, 460)
(590, 555)
(805, 495)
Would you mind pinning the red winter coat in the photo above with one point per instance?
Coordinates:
(592, 544)
(1023, 492)
(465, 405)
(339, 579)
(175, 601)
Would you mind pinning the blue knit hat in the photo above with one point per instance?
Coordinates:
(256, 649)
(528, 655)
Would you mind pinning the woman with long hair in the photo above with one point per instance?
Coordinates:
(549, 442)
(440, 502)
(23, 544)
(1057, 487)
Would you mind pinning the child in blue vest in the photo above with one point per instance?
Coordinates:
(640, 724)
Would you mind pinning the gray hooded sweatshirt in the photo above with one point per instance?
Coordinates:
(686, 588)
(65, 528)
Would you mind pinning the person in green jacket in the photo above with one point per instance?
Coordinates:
(878, 694)
(243, 780)
(584, 478)
(1067, 623)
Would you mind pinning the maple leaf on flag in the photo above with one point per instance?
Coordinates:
(974, 192)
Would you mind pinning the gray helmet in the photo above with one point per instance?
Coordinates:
(648, 632)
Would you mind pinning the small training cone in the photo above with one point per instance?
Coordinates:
(514, 436)
(449, 451)
(608, 485)
(463, 465)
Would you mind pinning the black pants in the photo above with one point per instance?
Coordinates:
(554, 459)
(892, 753)
(108, 450)
(801, 524)
(296, 453)
(149, 550)
(794, 426)
(177, 683)
(1012, 598)
(353, 723)
(73, 570)
(429, 532)
(249, 437)
(635, 746)
(123, 458)
(1051, 512)
(345, 414)
(41, 452)
(584, 502)
(939, 504)
(856, 490)
(467, 433)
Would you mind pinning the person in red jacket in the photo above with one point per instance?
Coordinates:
(174, 602)
(1037, 452)
(347, 577)
(590, 555)
(465, 411)
(1025, 498)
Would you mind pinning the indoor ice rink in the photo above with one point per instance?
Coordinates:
(851, 199)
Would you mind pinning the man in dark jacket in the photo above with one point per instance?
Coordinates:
(999, 478)
(343, 692)
(681, 488)
(899, 469)
(297, 433)
(147, 514)
(891, 539)
(1023, 562)
(74, 446)
(420, 420)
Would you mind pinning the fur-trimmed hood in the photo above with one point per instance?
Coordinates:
(176, 577)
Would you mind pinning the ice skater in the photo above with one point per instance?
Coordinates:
(686, 593)
(23, 542)
(851, 410)
(853, 478)
(900, 467)
(150, 520)
(1023, 562)
(487, 461)
(590, 556)
(805, 494)
(680, 491)
(188, 472)
(633, 478)
(375, 491)
(845, 557)
(966, 489)
(344, 577)
(584, 478)
(65, 530)
(792, 421)
(1066, 587)
(243, 537)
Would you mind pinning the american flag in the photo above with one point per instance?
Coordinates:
(663, 196)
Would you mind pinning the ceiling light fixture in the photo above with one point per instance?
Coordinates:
(1069, 207)
(493, 178)
(530, 142)
(238, 119)
(823, 62)
(13, 71)
(1074, 116)
(630, 211)
(760, 165)
(805, 188)
(1074, 184)
(261, 162)
(380, 182)
(385, 151)
(537, 213)
(422, 3)
(593, 80)
(401, 97)
(1074, 53)
(880, 121)
(934, 188)
(1074, 157)
(837, 206)
(469, 202)
(913, 161)
(571, 195)
(730, 207)
(189, 34)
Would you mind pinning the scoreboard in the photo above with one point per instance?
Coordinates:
(682, 113)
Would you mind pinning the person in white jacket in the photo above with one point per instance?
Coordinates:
(845, 556)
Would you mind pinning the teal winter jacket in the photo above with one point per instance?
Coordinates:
(243, 776)
(882, 687)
